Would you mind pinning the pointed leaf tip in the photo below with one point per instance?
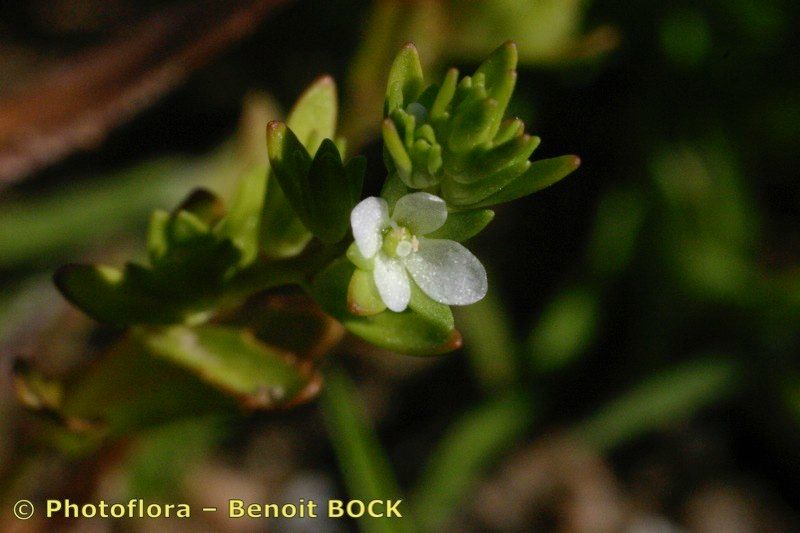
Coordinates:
(405, 80)
(313, 117)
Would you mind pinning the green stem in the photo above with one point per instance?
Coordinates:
(300, 270)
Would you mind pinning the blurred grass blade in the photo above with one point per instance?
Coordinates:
(673, 395)
(363, 463)
(620, 216)
(38, 229)
(565, 330)
(474, 443)
(489, 342)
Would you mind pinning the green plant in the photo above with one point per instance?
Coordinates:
(448, 140)
(195, 327)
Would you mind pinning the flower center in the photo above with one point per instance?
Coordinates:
(399, 242)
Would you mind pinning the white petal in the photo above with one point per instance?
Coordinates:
(368, 219)
(392, 282)
(447, 272)
(420, 212)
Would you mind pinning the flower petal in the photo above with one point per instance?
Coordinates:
(447, 272)
(392, 282)
(368, 218)
(420, 212)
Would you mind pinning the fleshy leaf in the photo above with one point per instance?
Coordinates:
(355, 170)
(233, 361)
(241, 225)
(463, 225)
(355, 256)
(330, 197)
(157, 241)
(190, 265)
(290, 165)
(500, 77)
(153, 376)
(313, 116)
(204, 205)
(282, 233)
(398, 155)
(405, 79)
(452, 139)
(407, 332)
(312, 119)
(105, 294)
(540, 175)
(362, 295)
(321, 190)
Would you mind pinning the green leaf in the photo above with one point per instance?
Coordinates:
(463, 225)
(500, 77)
(364, 465)
(398, 155)
(290, 165)
(363, 298)
(355, 169)
(331, 194)
(472, 125)
(424, 306)
(475, 442)
(157, 240)
(183, 284)
(184, 228)
(405, 82)
(156, 376)
(321, 190)
(282, 232)
(241, 225)
(361, 262)
(108, 295)
(233, 361)
(313, 117)
(204, 206)
(408, 332)
(540, 175)
(485, 165)
(445, 95)
(291, 322)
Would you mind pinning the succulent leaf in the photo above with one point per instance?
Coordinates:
(452, 140)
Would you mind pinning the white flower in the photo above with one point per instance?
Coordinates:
(443, 269)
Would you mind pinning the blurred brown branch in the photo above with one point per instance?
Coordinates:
(73, 106)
